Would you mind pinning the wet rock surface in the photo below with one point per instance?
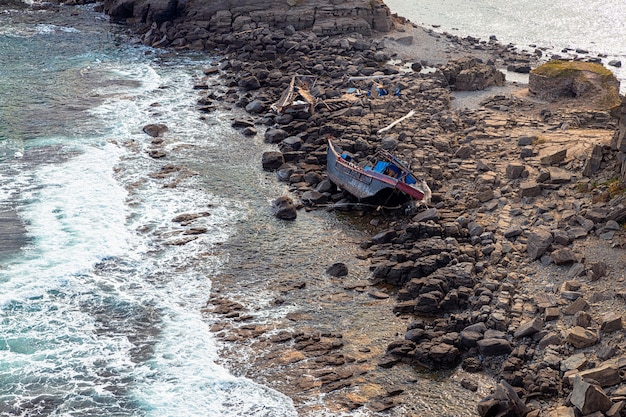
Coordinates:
(509, 272)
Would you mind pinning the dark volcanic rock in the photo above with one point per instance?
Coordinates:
(589, 398)
(284, 208)
(503, 402)
(272, 160)
(494, 347)
(275, 135)
(529, 328)
(249, 83)
(155, 130)
(429, 214)
(538, 243)
(338, 269)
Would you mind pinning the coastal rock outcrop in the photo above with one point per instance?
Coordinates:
(557, 79)
(178, 23)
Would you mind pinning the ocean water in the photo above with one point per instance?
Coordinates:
(596, 26)
(101, 304)
(100, 308)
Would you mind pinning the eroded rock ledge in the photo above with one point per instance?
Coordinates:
(191, 22)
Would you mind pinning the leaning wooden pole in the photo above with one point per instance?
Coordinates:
(409, 114)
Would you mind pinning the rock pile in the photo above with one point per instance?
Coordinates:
(510, 195)
(467, 74)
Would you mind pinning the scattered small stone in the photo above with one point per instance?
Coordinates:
(526, 140)
(582, 319)
(514, 170)
(156, 153)
(580, 337)
(610, 322)
(380, 295)
(530, 189)
(615, 63)
(563, 256)
(552, 313)
(529, 328)
(504, 401)
(426, 215)
(272, 160)
(494, 347)
(472, 364)
(469, 385)
(381, 405)
(598, 270)
(578, 305)
(337, 270)
(549, 339)
(605, 375)
(538, 243)
(155, 130)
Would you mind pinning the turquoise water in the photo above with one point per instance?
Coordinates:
(99, 312)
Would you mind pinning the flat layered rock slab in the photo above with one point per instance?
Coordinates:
(12, 232)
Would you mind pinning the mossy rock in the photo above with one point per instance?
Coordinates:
(558, 68)
(594, 85)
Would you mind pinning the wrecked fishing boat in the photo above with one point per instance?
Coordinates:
(387, 179)
(297, 97)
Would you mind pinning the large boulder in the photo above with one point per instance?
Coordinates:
(469, 74)
(155, 130)
(538, 243)
(592, 82)
(284, 208)
(503, 402)
(589, 398)
(272, 160)
(494, 346)
(580, 337)
(479, 77)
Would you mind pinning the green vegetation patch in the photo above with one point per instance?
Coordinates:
(613, 187)
(616, 187)
(559, 68)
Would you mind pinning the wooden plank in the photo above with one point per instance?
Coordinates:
(409, 114)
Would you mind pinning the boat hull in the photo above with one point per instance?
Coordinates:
(363, 183)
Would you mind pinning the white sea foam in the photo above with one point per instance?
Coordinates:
(182, 378)
(46, 29)
(28, 31)
(100, 312)
(75, 214)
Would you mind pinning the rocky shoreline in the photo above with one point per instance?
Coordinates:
(513, 202)
(516, 270)
(497, 277)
